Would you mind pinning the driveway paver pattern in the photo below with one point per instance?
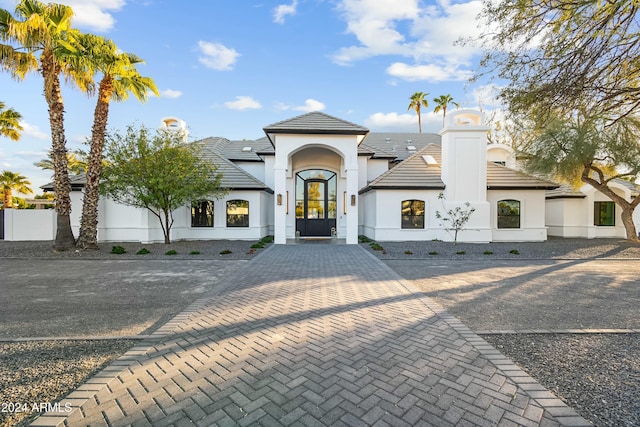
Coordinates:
(314, 335)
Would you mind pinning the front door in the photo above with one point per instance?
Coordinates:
(315, 202)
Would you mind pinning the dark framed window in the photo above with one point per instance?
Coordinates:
(412, 214)
(604, 213)
(202, 213)
(238, 213)
(508, 214)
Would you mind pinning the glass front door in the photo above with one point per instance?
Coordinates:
(315, 202)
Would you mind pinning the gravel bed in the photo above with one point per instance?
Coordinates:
(188, 249)
(42, 372)
(597, 375)
(554, 248)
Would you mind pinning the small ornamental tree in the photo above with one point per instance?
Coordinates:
(158, 172)
(455, 219)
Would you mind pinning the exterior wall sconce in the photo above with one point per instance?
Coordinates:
(353, 200)
(279, 199)
(286, 206)
(344, 202)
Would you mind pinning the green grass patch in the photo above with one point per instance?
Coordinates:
(258, 245)
(487, 253)
(364, 239)
(433, 253)
(143, 251)
(171, 252)
(376, 247)
(460, 253)
(267, 239)
(194, 253)
(408, 253)
(514, 251)
(119, 250)
(225, 252)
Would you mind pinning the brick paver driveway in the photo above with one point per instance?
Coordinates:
(314, 335)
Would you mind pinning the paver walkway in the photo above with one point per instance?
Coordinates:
(314, 335)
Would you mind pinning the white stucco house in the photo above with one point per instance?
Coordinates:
(319, 176)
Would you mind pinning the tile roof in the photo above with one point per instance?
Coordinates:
(502, 177)
(316, 123)
(415, 173)
(412, 173)
(397, 145)
(233, 177)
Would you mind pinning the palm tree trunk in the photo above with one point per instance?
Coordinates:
(88, 238)
(62, 186)
(8, 199)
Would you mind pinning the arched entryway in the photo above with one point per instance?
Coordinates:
(316, 202)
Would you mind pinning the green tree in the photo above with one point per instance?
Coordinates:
(418, 100)
(565, 56)
(119, 78)
(158, 172)
(40, 38)
(9, 122)
(10, 182)
(441, 105)
(590, 150)
(455, 219)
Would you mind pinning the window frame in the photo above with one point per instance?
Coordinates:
(500, 224)
(412, 221)
(204, 214)
(597, 213)
(245, 223)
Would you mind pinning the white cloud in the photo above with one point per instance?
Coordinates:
(243, 103)
(217, 56)
(93, 14)
(406, 28)
(170, 93)
(280, 12)
(33, 131)
(310, 105)
(428, 72)
(406, 122)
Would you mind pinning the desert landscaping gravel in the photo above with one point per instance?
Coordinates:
(596, 374)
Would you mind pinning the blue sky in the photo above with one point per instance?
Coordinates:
(230, 67)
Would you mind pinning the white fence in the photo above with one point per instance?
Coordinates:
(29, 224)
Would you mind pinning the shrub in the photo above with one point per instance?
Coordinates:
(225, 252)
(376, 247)
(143, 251)
(118, 250)
(460, 253)
(267, 239)
(433, 253)
(487, 253)
(364, 239)
(514, 251)
(258, 245)
(171, 252)
(408, 253)
(194, 253)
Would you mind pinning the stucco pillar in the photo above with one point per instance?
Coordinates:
(280, 213)
(352, 207)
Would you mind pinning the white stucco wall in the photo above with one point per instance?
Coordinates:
(29, 224)
(375, 168)
(532, 215)
(256, 169)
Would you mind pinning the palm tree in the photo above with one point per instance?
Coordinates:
(418, 100)
(76, 162)
(443, 101)
(119, 78)
(9, 122)
(9, 182)
(40, 38)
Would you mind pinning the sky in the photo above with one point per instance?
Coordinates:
(231, 67)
